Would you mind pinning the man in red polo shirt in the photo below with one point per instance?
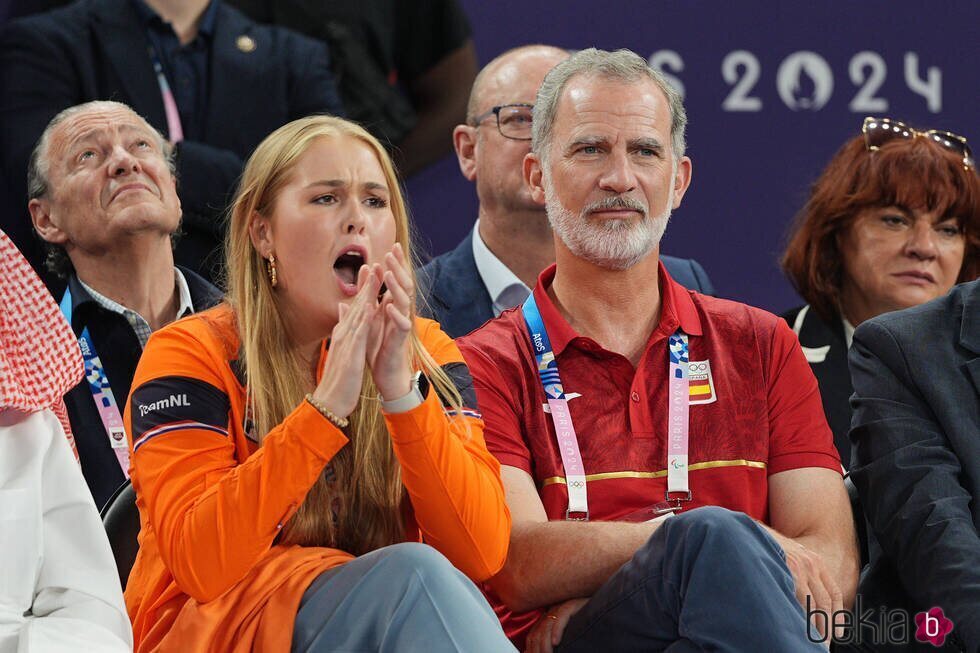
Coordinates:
(615, 398)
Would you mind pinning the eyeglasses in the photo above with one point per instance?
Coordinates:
(513, 120)
(878, 131)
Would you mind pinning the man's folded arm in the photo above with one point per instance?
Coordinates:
(549, 562)
(810, 506)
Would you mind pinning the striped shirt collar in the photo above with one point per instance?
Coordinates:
(140, 326)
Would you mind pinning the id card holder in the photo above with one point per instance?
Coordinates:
(117, 437)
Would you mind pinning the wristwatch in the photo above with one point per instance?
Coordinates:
(415, 396)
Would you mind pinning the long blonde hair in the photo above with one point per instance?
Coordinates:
(357, 503)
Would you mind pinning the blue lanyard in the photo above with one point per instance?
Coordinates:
(571, 457)
(98, 384)
(677, 415)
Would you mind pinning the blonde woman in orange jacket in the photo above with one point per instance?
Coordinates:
(308, 457)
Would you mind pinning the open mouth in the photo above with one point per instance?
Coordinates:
(346, 267)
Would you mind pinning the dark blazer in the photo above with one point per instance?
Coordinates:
(97, 50)
(452, 292)
(825, 347)
(916, 434)
(119, 350)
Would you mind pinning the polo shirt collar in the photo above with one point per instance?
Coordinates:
(145, 12)
(677, 309)
(206, 26)
(678, 300)
(148, 17)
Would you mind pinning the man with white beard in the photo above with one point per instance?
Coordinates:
(614, 398)
(495, 266)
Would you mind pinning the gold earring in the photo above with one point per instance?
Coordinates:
(270, 270)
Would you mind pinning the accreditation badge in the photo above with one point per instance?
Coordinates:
(702, 386)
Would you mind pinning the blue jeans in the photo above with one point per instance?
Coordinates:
(405, 597)
(707, 580)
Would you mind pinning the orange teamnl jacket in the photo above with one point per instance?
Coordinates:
(209, 576)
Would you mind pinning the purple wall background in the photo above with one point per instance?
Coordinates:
(751, 169)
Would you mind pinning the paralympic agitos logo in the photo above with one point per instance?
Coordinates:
(879, 627)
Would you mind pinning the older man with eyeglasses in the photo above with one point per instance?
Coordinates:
(497, 264)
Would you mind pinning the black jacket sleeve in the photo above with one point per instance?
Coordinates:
(909, 479)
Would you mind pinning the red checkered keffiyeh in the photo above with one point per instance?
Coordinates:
(39, 356)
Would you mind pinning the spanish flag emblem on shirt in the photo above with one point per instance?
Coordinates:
(702, 386)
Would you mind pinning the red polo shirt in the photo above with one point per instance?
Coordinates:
(755, 408)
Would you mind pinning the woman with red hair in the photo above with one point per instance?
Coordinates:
(893, 221)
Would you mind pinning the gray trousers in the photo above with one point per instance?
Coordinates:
(406, 597)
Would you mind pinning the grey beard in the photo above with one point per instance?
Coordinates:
(610, 244)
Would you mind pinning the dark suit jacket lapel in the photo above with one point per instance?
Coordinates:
(817, 333)
(204, 295)
(118, 32)
(460, 290)
(970, 333)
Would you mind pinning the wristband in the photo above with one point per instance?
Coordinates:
(407, 402)
(339, 422)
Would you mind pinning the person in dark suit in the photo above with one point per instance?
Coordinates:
(404, 69)
(916, 465)
(229, 82)
(496, 265)
(892, 222)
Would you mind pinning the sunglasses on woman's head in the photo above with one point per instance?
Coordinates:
(878, 131)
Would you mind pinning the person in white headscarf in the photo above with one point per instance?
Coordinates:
(59, 587)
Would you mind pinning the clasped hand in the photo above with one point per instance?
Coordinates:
(371, 331)
(814, 580)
